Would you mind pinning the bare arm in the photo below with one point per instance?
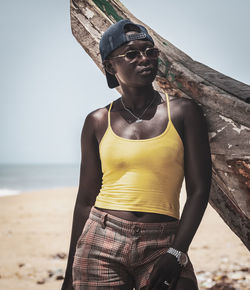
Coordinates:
(197, 168)
(89, 186)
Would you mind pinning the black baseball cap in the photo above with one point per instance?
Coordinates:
(114, 37)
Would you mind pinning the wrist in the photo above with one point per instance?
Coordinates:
(181, 257)
(180, 246)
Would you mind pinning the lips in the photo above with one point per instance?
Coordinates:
(146, 70)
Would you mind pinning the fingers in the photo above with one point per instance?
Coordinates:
(162, 285)
(158, 283)
(164, 271)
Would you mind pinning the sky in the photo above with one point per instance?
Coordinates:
(49, 84)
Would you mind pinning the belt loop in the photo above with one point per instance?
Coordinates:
(162, 229)
(103, 220)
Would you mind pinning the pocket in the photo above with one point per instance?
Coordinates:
(84, 233)
(170, 239)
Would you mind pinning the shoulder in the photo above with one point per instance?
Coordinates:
(96, 119)
(97, 115)
(194, 121)
(100, 115)
(184, 103)
(192, 112)
(189, 109)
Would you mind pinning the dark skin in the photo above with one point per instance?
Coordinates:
(188, 119)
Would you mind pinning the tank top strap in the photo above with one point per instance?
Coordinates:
(109, 113)
(167, 100)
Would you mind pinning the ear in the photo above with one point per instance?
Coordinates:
(109, 67)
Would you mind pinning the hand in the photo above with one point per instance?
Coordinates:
(165, 269)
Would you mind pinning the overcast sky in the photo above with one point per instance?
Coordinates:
(49, 84)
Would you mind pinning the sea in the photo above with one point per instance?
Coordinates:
(19, 178)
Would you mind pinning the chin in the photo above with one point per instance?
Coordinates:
(148, 80)
(141, 82)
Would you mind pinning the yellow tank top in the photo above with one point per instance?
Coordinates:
(142, 175)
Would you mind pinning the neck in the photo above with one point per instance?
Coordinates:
(137, 98)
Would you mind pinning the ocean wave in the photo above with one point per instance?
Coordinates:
(5, 192)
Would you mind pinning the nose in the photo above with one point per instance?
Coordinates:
(143, 54)
(143, 59)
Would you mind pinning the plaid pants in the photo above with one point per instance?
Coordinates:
(113, 253)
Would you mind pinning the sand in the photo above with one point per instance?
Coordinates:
(35, 234)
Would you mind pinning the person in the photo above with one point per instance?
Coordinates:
(136, 151)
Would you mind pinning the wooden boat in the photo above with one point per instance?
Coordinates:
(225, 103)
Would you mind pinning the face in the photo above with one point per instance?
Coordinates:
(137, 72)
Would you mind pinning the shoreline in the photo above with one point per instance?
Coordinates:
(4, 192)
(35, 236)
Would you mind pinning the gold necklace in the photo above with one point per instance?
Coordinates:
(138, 118)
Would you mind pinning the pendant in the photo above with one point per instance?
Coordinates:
(138, 121)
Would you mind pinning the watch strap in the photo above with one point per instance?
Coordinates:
(178, 255)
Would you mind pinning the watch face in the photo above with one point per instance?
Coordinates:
(183, 259)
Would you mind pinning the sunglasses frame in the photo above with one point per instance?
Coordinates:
(141, 53)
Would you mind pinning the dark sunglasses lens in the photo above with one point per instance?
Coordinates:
(152, 52)
(132, 54)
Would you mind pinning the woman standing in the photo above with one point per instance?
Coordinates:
(127, 232)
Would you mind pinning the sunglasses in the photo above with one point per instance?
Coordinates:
(151, 52)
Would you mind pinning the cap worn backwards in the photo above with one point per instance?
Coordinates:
(114, 37)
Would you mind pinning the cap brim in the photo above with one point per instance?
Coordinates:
(112, 81)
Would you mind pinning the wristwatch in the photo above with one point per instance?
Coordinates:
(181, 257)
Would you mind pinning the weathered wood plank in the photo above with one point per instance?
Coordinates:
(223, 100)
(229, 85)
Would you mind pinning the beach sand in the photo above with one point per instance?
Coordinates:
(35, 235)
